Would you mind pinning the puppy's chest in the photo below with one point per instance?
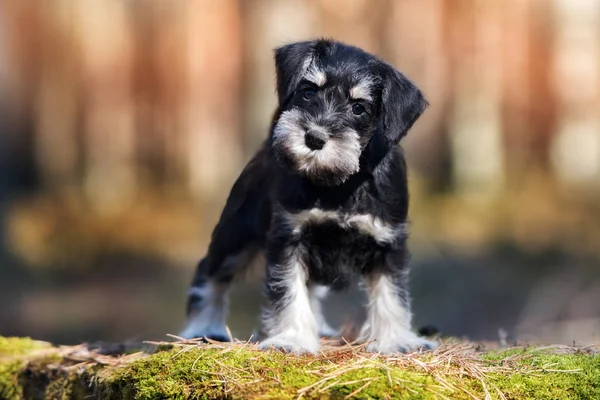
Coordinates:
(335, 245)
(317, 226)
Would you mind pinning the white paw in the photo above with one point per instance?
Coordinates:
(291, 343)
(327, 331)
(193, 331)
(406, 343)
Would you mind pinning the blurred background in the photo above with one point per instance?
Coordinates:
(123, 125)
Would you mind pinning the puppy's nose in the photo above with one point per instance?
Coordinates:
(315, 139)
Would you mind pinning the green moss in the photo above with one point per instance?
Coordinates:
(9, 388)
(245, 373)
(12, 361)
(551, 376)
(203, 374)
(12, 346)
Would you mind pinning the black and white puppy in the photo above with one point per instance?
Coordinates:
(326, 198)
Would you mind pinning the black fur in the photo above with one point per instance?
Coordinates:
(269, 188)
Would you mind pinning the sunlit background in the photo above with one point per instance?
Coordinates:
(123, 124)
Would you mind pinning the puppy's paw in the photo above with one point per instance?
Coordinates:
(291, 344)
(219, 335)
(326, 331)
(406, 343)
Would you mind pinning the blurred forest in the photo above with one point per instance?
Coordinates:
(123, 124)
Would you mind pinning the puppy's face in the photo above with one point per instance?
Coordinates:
(333, 99)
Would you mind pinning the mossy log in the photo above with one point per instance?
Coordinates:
(194, 370)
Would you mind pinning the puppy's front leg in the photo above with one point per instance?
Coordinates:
(388, 324)
(289, 321)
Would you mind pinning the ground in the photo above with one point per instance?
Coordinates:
(194, 370)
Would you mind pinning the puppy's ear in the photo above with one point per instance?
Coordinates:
(291, 62)
(402, 104)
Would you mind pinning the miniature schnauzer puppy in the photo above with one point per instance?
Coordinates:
(326, 199)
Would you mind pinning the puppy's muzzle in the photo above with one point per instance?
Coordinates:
(315, 139)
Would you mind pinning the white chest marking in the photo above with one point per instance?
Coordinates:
(378, 229)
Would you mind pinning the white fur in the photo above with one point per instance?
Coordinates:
(339, 155)
(293, 327)
(381, 231)
(318, 293)
(211, 317)
(368, 224)
(387, 327)
(362, 90)
(316, 76)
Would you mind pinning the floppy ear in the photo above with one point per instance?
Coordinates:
(402, 104)
(291, 62)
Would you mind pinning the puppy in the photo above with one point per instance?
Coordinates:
(326, 199)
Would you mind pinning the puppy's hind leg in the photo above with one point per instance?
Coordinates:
(238, 236)
(208, 299)
(318, 293)
(206, 312)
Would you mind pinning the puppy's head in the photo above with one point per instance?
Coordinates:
(333, 98)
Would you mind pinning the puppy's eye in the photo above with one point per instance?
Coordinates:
(308, 94)
(358, 109)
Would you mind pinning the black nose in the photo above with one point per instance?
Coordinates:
(314, 139)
